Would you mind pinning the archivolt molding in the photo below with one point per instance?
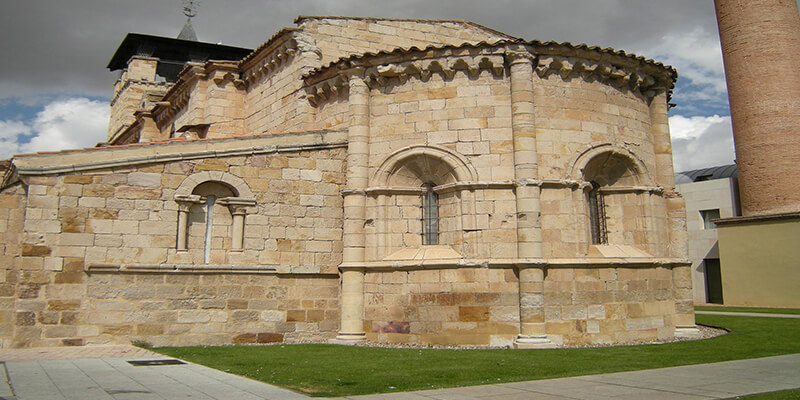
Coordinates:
(240, 187)
(459, 166)
(579, 163)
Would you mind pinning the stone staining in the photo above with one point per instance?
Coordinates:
(428, 183)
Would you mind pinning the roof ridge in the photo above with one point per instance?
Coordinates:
(300, 18)
(170, 140)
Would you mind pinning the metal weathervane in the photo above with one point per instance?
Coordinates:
(190, 8)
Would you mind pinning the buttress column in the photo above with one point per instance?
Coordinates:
(528, 190)
(352, 307)
(675, 230)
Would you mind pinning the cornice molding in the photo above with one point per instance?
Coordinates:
(644, 78)
(270, 63)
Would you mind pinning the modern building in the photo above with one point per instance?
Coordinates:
(404, 181)
(758, 250)
(710, 194)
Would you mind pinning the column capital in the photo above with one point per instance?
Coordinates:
(354, 73)
(519, 56)
(237, 209)
(185, 202)
(353, 192)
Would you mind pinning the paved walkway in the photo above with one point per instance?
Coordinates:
(103, 372)
(705, 381)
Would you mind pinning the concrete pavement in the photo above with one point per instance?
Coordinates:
(104, 372)
(695, 382)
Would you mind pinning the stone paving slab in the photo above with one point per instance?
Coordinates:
(694, 382)
(66, 353)
(62, 374)
(58, 376)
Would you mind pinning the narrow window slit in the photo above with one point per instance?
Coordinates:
(430, 215)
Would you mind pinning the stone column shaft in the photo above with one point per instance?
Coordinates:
(526, 165)
(532, 331)
(659, 129)
(237, 241)
(529, 229)
(183, 221)
(352, 307)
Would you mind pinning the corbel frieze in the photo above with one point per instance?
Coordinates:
(379, 75)
(271, 63)
(621, 78)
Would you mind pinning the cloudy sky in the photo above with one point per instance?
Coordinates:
(54, 88)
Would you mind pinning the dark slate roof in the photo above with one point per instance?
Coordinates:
(169, 49)
(706, 174)
(187, 33)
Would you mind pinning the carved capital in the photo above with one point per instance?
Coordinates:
(185, 202)
(519, 56)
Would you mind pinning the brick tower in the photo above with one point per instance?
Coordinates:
(761, 49)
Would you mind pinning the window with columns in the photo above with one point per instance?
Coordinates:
(212, 218)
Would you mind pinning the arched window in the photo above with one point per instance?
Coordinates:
(597, 215)
(430, 215)
(211, 216)
(203, 215)
(615, 209)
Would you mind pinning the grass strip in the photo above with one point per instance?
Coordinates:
(793, 311)
(793, 394)
(331, 370)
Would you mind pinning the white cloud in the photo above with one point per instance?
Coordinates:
(697, 55)
(62, 124)
(701, 142)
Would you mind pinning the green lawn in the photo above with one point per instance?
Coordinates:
(782, 395)
(749, 309)
(330, 370)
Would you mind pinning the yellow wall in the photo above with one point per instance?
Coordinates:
(761, 263)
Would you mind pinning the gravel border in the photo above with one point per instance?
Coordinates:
(706, 332)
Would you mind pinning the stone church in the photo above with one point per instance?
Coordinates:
(389, 180)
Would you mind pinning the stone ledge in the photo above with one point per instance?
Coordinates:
(638, 262)
(182, 268)
(756, 218)
(50, 163)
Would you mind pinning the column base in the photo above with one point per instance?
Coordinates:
(687, 331)
(533, 342)
(349, 338)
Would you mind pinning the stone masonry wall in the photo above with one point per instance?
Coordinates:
(469, 306)
(12, 216)
(480, 306)
(572, 117)
(609, 305)
(86, 235)
(342, 37)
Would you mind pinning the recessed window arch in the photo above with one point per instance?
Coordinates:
(420, 197)
(613, 209)
(211, 210)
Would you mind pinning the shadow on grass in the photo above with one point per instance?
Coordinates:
(331, 370)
